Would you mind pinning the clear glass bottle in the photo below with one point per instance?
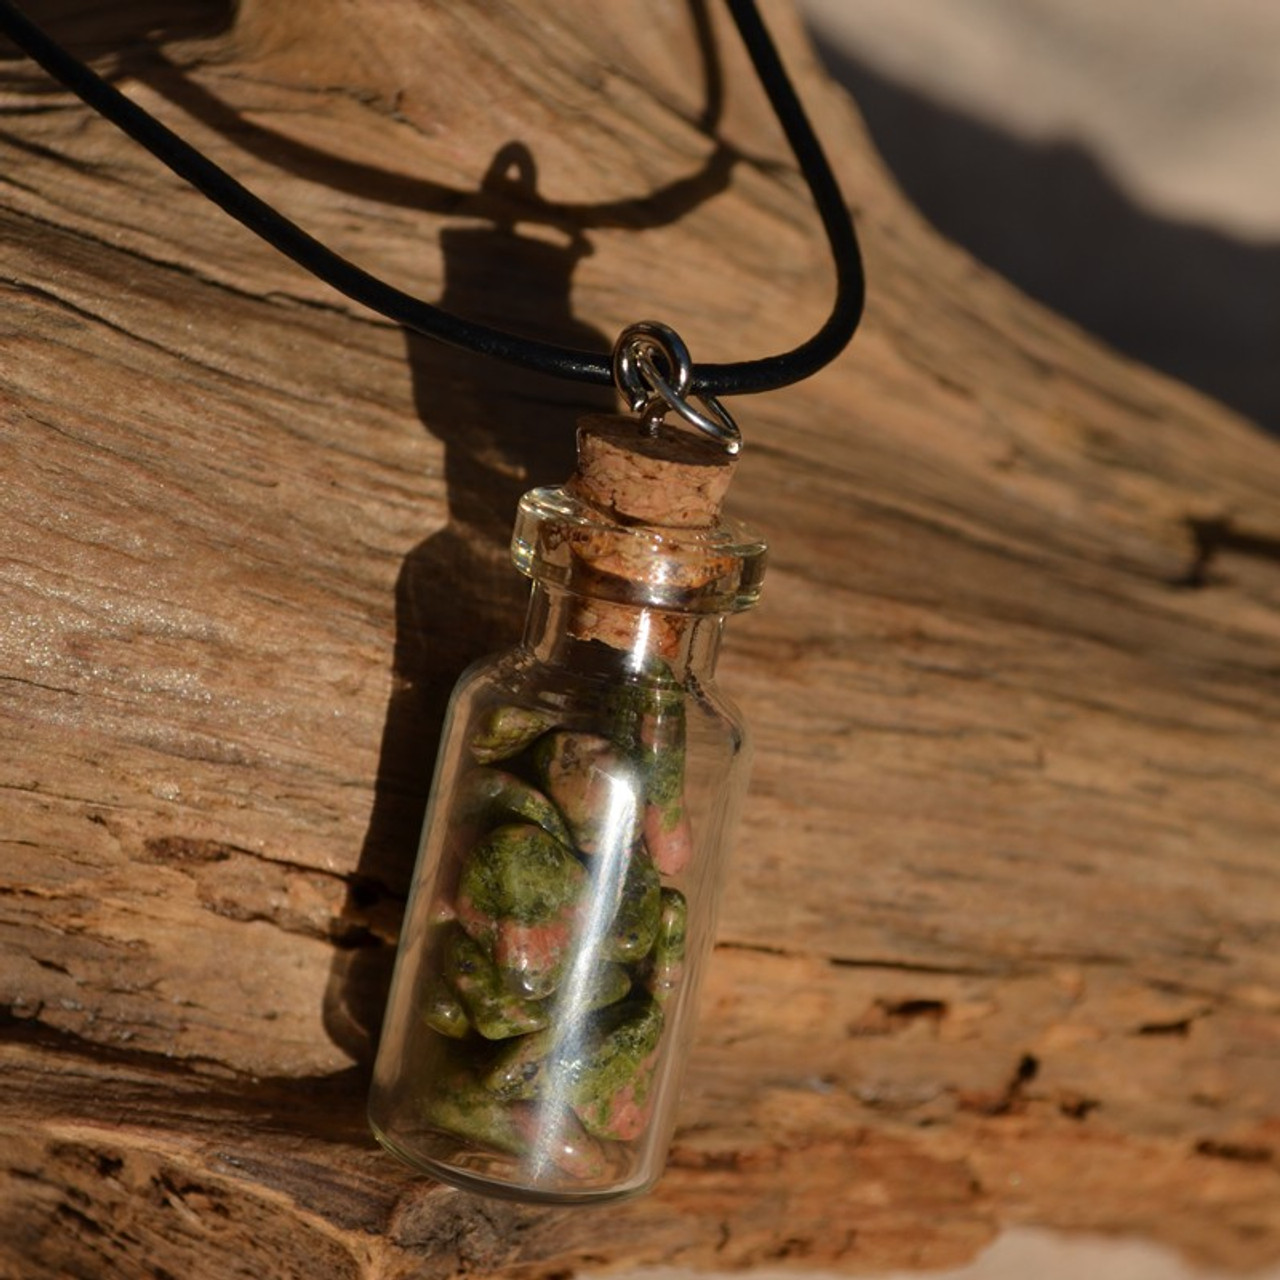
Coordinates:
(564, 900)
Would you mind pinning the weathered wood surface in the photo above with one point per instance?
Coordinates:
(1003, 940)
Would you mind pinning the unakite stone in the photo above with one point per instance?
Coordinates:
(595, 786)
(505, 731)
(494, 1011)
(519, 893)
(518, 1068)
(666, 964)
(610, 1075)
(635, 924)
(609, 983)
(669, 837)
(558, 1136)
(443, 1011)
(661, 742)
(493, 797)
(459, 1105)
(649, 726)
(652, 693)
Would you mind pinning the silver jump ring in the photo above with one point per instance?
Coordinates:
(649, 390)
(716, 422)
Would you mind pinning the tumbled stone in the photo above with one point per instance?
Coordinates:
(443, 1011)
(669, 837)
(519, 1069)
(666, 964)
(609, 984)
(544, 1137)
(494, 1011)
(610, 1073)
(519, 893)
(493, 797)
(558, 1136)
(505, 731)
(595, 786)
(635, 923)
(649, 725)
(459, 1105)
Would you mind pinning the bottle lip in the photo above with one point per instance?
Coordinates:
(563, 541)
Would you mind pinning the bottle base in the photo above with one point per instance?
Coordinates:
(495, 1186)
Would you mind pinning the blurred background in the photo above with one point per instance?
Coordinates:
(1117, 159)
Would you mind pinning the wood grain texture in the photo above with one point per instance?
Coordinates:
(1002, 942)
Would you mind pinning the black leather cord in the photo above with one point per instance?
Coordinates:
(563, 362)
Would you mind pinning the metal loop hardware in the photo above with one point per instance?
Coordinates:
(653, 370)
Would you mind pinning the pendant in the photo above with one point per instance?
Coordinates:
(584, 799)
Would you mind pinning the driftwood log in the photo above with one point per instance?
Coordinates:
(1002, 942)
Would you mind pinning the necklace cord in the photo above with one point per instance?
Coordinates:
(287, 237)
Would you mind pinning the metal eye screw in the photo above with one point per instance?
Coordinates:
(653, 370)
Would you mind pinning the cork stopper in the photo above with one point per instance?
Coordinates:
(638, 526)
(659, 475)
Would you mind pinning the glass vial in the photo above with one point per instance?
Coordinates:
(584, 798)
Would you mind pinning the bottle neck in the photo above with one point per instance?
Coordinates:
(560, 623)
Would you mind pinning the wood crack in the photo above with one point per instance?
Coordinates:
(862, 962)
(1219, 536)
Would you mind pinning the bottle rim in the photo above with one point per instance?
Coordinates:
(563, 541)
